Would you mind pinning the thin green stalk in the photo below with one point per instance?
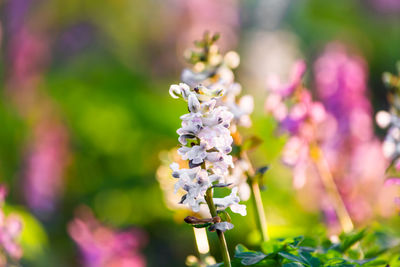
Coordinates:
(259, 209)
(221, 237)
(257, 200)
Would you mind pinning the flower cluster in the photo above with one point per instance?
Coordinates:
(352, 151)
(206, 143)
(299, 116)
(391, 119)
(10, 230)
(102, 246)
(215, 71)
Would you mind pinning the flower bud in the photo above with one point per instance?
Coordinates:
(232, 59)
(175, 91)
(383, 118)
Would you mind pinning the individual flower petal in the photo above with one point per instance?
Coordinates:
(175, 91)
(223, 226)
(239, 208)
(231, 201)
(193, 103)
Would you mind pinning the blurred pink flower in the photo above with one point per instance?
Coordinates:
(102, 246)
(299, 116)
(353, 152)
(392, 181)
(198, 16)
(10, 229)
(46, 161)
(341, 82)
(46, 157)
(284, 89)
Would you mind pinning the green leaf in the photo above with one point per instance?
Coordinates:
(240, 248)
(215, 37)
(248, 257)
(312, 261)
(349, 240)
(292, 264)
(269, 263)
(337, 262)
(203, 225)
(375, 263)
(272, 246)
(251, 143)
(294, 258)
(253, 258)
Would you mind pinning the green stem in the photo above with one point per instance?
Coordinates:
(221, 237)
(257, 200)
(259, 209)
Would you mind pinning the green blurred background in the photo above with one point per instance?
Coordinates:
(107, 69)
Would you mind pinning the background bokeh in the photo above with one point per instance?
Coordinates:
(85, 109)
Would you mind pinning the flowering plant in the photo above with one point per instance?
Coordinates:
(213, 155)
(206, 137)
(391, 120)
(298, 115)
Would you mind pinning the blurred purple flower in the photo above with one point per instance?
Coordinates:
(299, 116)
(47, 158)
(74, 39)
(16, 11)
(387, 6)
(103, 246)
